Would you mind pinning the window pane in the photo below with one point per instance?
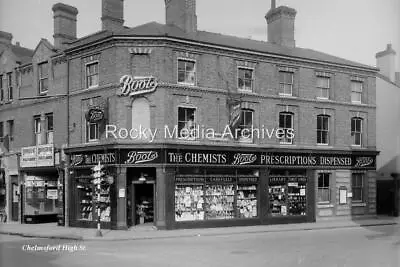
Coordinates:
(248, 118)
(49, 119)
(181, 76)
(281, 120)
(288, 121)
(189, 66)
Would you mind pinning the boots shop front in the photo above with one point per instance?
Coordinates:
(194, 187)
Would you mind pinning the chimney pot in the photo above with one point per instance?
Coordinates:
(385, 61)
(17, 44)
(280, 22)
(182, 14)
(5, 38)
(64, 24)
(112, 15)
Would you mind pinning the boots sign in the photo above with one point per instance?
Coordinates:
(133, 86)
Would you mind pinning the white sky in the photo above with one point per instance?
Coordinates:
(351, 29)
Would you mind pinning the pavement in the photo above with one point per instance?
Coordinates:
(51, 230)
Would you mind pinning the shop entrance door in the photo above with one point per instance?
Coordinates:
(142, 204)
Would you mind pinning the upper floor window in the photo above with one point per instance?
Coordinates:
(92, 74)
(186, 123)
(245, 79)
(356, 91)
(357, 186)
(49, 128)
(92, 131)
(1, 131)
(37, 124)
(323, 85)
(286, 123)
(324, 188)
(43, 78)
(186, 71)
(322, 129)
(1, 88)
(10, 87)
(245, 126)
(356, 131)
(10, 126)
(286, 83)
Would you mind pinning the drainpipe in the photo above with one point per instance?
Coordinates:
(66, 167)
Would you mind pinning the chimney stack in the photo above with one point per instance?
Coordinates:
(64, 24)
(5, 38)
(182, 14)
(385, 61)
(280, 22)
(112, 15)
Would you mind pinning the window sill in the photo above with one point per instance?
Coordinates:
(286, 143)
(187, 83)
(358, 204)
(245, 90)
(356, 102)
(323, 98)
(322, 144)
(323, 205)
(245, 140)
(287, 95)
(92, 86)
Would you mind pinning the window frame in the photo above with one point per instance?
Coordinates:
(320, 88)
(285, 113)
(1, 88)
(10, 127)
(42, 78)
(96, 133)
(194, 71)
(87, 65)
(356, 92)
(282, 83)
(325, 187)
(185, 122)
(37, 129)
(48, 131)
(1, 131)
(243, 126)
(10, 93)
(355, 132)
(357, 187)
(322, 131)
(244, 89)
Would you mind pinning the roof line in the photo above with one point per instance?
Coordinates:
(371, 69)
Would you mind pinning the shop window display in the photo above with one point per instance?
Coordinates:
(220, 201)
(87, 199)
(189, 202)
(215, 197)
(41, 196)
(246, 201)
(287, 196)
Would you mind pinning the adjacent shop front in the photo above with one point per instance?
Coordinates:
(42, 184)
(191, 187)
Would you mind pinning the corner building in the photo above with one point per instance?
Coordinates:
(313, 157)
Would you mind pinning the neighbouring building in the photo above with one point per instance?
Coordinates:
(33, 122)
(388, 132)
(199, 129)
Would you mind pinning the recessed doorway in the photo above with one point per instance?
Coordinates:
(144, 203)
